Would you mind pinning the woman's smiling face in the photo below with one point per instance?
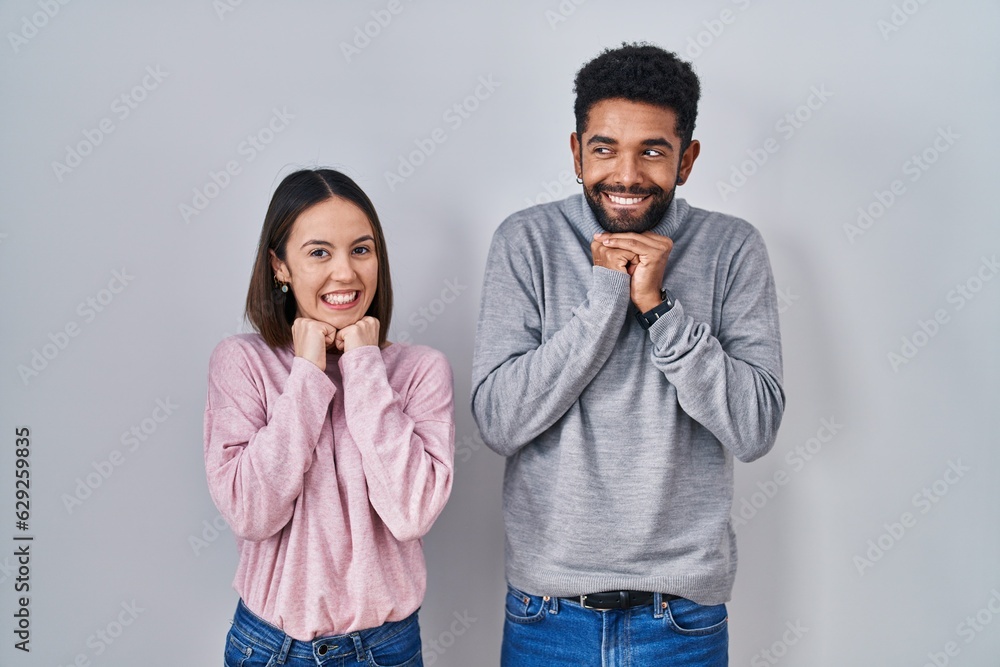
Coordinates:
(330, 263)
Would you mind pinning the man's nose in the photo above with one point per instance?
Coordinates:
(627, 171)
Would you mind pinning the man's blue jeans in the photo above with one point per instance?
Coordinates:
(555, 632)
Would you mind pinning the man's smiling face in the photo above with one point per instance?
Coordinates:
(630, 160)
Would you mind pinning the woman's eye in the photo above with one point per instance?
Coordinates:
(361, 250)
(318, 252)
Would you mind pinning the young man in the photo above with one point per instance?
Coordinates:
(627, 349)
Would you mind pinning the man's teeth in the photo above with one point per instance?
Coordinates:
(625, 200)
(340, 299)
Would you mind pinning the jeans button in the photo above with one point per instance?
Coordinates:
(322, 649)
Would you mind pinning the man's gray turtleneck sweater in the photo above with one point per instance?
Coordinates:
(620, 441)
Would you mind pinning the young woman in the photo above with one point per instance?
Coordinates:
(329, 450)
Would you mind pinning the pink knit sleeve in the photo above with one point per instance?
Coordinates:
(255, 465)
(407, 441)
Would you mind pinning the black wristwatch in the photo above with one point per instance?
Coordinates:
(648, 318)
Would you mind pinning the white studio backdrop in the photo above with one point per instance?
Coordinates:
(141, 145)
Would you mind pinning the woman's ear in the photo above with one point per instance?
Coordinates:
(278, 267)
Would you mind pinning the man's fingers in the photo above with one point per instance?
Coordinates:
(634, 248)
(638, 243)
(638, 246)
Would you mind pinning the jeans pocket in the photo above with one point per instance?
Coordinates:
(696, 620)
(237, 651)
(519, 607)
(242, 652)
(400, 650)
(393, 660)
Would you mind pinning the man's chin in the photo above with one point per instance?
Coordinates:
(623, 222)
(628, 222)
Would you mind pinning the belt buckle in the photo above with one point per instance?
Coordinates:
(583, 603)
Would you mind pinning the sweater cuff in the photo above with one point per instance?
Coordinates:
(610, 288)
(309, 379)
(667, 331)
(360, 357)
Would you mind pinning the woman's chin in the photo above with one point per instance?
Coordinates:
(337, 320)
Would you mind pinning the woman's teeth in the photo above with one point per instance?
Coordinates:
(340, 298)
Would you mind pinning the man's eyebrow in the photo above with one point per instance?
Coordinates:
(658, 141)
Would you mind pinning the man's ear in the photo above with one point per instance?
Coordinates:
(687, 161)
(574, 146)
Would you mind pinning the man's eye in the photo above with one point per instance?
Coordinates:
(652, 152)
(602, 150)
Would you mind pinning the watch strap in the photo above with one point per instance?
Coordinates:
(648, 318)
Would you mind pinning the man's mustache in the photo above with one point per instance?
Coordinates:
(622, 190)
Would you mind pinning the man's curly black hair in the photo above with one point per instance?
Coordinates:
(640, 72)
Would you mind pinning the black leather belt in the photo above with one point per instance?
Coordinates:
(617, 599)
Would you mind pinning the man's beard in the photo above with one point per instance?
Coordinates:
(624, 221)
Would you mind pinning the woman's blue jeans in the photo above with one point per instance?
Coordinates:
(556, 632)
(253, 642)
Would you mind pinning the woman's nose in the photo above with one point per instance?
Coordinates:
(341, 269)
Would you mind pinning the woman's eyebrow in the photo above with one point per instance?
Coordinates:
(366, 237)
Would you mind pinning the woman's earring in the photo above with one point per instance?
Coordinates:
(280, 285)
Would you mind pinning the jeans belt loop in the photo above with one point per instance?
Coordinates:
(285, 647)
(658, 605)
(359, 647)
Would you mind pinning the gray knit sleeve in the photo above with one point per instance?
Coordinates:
(521, 385)
(730, 382)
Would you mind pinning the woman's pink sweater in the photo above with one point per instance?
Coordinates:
(329, 479)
